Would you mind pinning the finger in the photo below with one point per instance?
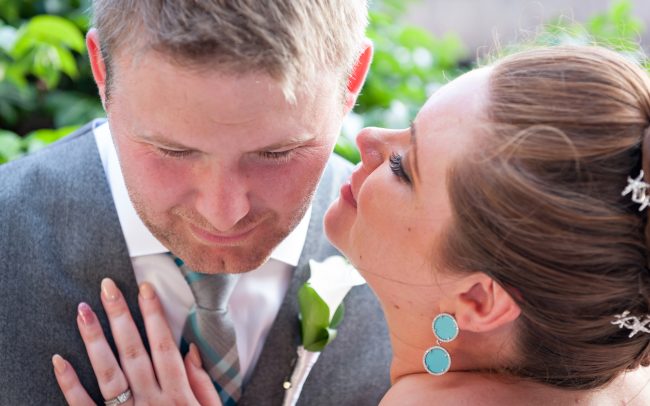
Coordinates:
(133, 356)
(66, 377)
(167, 360)
(200, 381)
(109, 375)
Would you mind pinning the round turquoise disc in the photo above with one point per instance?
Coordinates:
(437, 360)
(445, 327)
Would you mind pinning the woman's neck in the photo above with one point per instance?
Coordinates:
(411, 336)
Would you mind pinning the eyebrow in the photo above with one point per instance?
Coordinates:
(414, 145)
(160, 139)
(292, 142)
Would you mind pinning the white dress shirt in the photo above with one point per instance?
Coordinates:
(257, 297)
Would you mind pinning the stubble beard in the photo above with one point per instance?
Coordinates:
(171, 229)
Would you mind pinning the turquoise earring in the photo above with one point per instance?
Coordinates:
(436, 359)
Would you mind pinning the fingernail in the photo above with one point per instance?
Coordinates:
(195, 358)
(146, 290)
(59, 363)
(86, 313)
(109, 290)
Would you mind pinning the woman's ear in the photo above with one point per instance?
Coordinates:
(358, 75)
(483, 305)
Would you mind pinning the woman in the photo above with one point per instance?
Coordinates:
(498, 216)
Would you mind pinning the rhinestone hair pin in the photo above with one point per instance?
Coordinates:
(639, 190)
(624, 320)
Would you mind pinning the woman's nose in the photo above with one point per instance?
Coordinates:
(371, 147)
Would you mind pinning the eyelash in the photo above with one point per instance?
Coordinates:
(174, 154)
(278, 156)
(395, 163)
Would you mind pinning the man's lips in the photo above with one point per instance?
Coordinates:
(220, 239)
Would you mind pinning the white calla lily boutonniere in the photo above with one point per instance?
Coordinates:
(321, 311)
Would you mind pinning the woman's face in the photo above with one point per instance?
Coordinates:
(388, 218)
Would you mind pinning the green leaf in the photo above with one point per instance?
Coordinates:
(41, 138)
(320, 341)
(345, 148)
(67, 62)
(47, 65)
(316, 329)
(8, 113)
(338, 316)
(314, 318)
(16, 73)
(49, 29)
(414, 37)
(11, 146)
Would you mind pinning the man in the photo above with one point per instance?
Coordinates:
(221, 119)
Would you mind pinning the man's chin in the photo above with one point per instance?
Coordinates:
(231, 260)
(213, 254)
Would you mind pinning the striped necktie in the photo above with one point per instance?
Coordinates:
(210, 328)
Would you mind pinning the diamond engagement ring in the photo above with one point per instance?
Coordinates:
(119, 399)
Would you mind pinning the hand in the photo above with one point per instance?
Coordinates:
(170, 380)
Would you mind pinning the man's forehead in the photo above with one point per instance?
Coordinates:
(142, 56)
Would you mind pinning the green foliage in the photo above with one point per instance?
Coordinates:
(408, 65)
(617, 28)
(315, 327)
(41, 138)
(43, 48)
(45, 79)
(13, 146)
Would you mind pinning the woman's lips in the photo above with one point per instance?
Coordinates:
(347, 196)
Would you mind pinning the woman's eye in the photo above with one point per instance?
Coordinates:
(395, 163)
(173, 153)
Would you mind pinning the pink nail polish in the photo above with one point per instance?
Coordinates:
(86, 313)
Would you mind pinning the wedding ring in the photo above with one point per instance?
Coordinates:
(119, 399)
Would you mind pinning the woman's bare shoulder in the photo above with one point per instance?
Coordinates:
(455, 388)
(466, 388)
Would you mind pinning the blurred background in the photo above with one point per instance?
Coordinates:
(46, 88)
(479, 23)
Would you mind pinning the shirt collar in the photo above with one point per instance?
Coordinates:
(139, 239)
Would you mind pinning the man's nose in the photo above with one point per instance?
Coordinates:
(223, 198)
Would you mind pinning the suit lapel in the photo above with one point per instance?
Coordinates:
(275, 364)
(91, 247)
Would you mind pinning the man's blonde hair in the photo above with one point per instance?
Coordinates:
(290, 40)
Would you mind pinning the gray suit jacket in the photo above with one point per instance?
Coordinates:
(60, 235)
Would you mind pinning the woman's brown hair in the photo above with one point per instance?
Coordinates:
(537, 206)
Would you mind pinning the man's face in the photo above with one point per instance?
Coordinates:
(219, 167)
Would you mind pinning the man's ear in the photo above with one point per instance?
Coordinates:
(484, 305)
(97, 63)
(358, 75)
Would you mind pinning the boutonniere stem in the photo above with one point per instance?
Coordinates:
(321, 311)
